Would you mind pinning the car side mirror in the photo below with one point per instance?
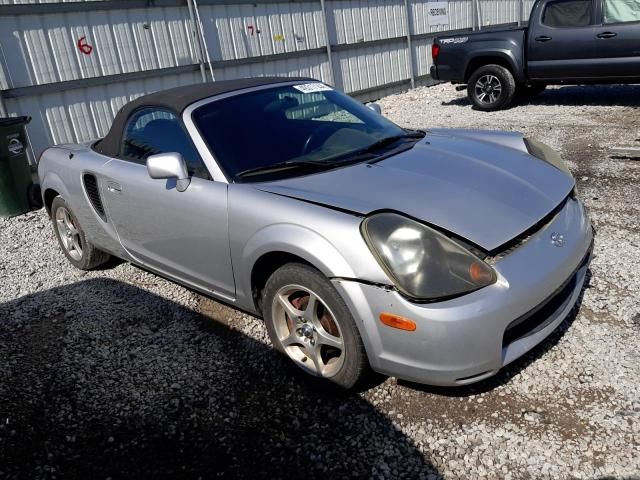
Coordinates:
(169, 165)
(376, 108)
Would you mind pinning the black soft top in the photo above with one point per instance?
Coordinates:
(177, 99)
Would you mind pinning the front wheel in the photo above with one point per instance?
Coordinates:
(491, 88)
(309, 322)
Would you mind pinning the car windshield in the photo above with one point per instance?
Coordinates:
(287, 130)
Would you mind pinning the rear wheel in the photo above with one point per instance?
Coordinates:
(81, 253)
(491, 87)
(309, 322)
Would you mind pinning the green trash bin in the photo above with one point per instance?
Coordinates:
(16, 182)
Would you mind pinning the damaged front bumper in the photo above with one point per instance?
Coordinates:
(470, 338)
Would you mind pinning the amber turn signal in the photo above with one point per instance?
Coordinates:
(480, 273)
(396, 321)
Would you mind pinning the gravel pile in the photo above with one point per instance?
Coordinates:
(118, 373)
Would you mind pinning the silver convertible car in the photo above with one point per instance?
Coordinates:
(435, 256)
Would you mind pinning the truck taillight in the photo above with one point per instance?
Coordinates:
(435, 51)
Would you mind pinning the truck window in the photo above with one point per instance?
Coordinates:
(567, 13)
(621, 11)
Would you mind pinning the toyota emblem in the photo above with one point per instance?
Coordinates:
(557, 239)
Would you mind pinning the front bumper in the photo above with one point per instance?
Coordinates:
(470, 338)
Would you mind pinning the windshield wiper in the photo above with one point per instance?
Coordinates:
(383, 142)
(368, 153)
(275, 167)
(354, 157)
(411, 134)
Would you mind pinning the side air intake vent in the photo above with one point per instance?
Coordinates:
(91, 187)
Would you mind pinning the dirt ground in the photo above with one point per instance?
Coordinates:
(118, 373)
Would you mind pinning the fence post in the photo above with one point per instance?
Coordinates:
(408, 23)
(520, 11)
(474, 15)
(3, 110)
(327, 39)
(477, 18)
(204, 39)
(196, 40)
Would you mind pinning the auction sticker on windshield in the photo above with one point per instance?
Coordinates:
(312, 87)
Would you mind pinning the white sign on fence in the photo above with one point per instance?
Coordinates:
(438, 13)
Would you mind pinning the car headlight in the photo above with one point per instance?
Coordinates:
(546, 154)
(423, 263)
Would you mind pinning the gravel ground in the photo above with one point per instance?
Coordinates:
(118, 373)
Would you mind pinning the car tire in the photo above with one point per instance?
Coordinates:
(491, 88)
(80, 252)
(310, 338)
(529, 91)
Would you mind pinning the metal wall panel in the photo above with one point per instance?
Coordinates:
(354, 21)
(40, 49)
(372, 66)
(4, 79)
(422, 59)
(84, 114)
(250, 30)
(496, 12)
(527, 6)
(460, 16)
(314, 66)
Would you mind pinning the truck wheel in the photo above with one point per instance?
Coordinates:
(76, 248)
(309, 322)
(491, 87)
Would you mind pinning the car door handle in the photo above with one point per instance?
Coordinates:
(607, 35)
(543, 38)
(114, 187)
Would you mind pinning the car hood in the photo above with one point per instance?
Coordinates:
(482, 186)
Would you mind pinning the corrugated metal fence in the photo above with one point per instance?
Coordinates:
(72, 65)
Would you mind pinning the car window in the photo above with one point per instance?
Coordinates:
(299, 123)
(568, 13)
(151, 131)
(621, 11)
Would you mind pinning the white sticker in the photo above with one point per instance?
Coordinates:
(437, 12)
(312, 87)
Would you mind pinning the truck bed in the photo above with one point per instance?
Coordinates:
(459, 53)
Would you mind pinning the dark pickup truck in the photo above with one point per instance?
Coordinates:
(566, 42)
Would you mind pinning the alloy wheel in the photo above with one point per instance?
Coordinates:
(308, 331)
(488, 89)
(68, 233)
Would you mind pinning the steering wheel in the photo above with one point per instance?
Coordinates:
(316, 138)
